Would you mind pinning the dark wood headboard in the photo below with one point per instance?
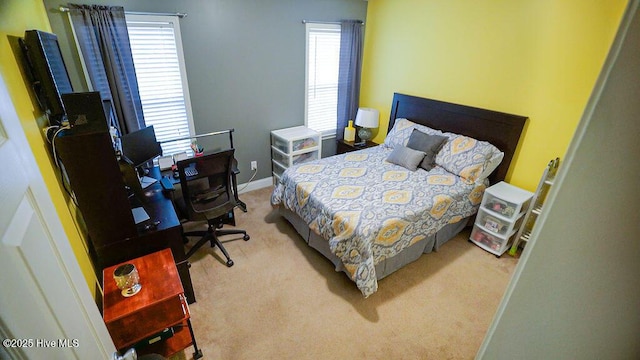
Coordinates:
(500, 129)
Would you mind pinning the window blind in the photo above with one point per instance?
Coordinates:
(322, 65)
(158, 59)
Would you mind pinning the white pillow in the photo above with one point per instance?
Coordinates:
(492, 164)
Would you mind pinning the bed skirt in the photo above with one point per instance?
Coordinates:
(387, 266)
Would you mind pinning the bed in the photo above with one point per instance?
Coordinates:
(374, 210)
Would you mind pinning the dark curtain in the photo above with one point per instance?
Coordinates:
(101, 32)
(349, 77)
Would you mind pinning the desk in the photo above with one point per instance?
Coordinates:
(150, 238)
(95, 177)
(159, 305)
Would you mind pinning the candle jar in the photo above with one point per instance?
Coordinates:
(127, 279)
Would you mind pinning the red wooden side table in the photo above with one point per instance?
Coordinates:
(156, 319)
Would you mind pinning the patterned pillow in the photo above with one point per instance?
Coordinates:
(401, 131)
(465, 156)
(492, 164)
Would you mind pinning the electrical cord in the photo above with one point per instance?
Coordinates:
(57, 162)
(53, 143)
(248, 182)
(47, 130)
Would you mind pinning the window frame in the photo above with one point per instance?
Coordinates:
(173, 21)
(310, 27)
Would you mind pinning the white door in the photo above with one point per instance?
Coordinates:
(46, 309)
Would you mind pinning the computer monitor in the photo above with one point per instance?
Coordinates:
(86, 112)
(140, 147)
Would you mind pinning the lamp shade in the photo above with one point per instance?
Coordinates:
(367, 117)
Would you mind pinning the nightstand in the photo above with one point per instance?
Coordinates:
(292, 146)
(500, 216)
(343, 146)
(157, 318)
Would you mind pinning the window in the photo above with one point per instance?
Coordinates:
(322, 64)
(162, 79)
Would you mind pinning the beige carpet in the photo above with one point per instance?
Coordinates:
(283, 300)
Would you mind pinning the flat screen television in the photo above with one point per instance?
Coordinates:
(48, 73)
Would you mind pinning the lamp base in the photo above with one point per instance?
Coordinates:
(365, 134)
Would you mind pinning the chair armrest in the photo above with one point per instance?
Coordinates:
(234, 167)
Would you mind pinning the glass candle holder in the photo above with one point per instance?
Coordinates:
(127, 279)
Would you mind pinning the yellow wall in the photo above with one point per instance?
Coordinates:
(536, 58)
(16, 16)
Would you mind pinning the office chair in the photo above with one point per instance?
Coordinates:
(234, 169)
(207, 193)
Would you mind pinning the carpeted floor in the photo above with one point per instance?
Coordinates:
(283, 300)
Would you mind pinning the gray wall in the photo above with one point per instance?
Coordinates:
(576, 291)
(244, 60)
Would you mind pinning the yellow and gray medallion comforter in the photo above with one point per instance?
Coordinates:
(369, 209)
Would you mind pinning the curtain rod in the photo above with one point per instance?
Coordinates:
(180, 15)
(325, 22)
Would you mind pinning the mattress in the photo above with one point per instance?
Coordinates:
(384, 267)
(366, 210)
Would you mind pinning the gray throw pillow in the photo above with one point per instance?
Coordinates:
(405, 157)
(427, 143)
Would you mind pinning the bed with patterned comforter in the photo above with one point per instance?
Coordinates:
(370, 210)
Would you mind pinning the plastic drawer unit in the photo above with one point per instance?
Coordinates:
(293, 146)
(499, 217)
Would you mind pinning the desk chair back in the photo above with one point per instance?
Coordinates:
(207, 192)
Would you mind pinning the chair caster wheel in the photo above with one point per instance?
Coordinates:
(246, 237)
(229, 263)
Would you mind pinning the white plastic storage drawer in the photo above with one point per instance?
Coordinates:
(302, 158)
(506, 200)
(278, 169)
(499, 206)
(295, 139)
(289, 160)
(496, 224)
(490, 242)
(280, 157)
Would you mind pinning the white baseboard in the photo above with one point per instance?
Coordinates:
(255, 185)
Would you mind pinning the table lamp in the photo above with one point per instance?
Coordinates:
(366, 120)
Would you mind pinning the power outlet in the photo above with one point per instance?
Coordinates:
(254, 165)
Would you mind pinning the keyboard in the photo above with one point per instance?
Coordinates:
(190, 171)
